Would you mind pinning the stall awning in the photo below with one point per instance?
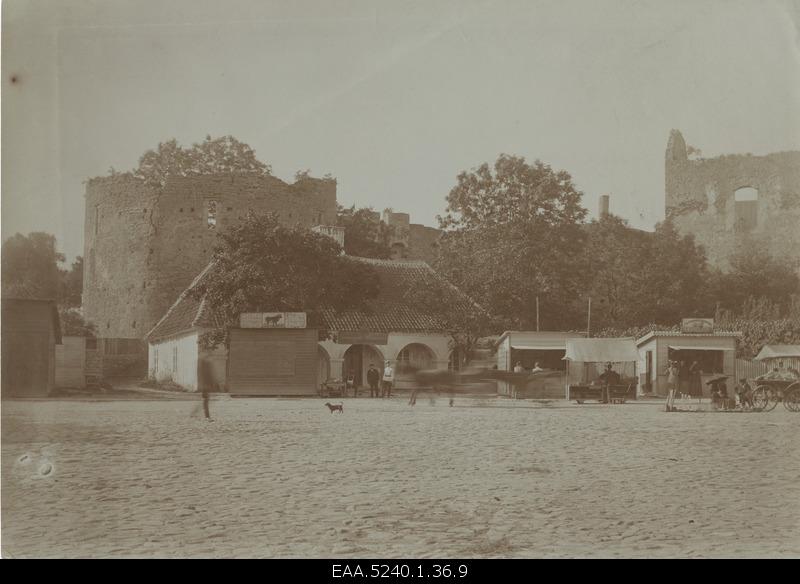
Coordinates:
(691, 348)
(535, 347)
(601, 350)
(778, 352)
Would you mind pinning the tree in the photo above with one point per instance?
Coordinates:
(616, 282)
(464, 321)
(755, 276)
(364, 235)
(71, 284)
(513, 233)
(73, 323)
(213, 155)
(30, 266)
(636, 277)
(262, 266)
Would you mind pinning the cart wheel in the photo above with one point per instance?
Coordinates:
(760, 398)
(764, 399)
(791, 398)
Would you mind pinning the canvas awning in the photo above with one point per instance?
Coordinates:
(535, 347)
(696, 348)
(601, 350)
(778, 352)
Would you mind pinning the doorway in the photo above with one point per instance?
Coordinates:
(357, 360)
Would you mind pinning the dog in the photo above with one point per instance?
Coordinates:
(335, 407)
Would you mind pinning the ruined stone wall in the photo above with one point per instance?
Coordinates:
(185, 243)
(144, 245)
(699, 198)
(423, 242)
(411, 241)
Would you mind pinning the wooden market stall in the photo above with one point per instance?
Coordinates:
(524, 350)
(713, 352)
(601, 369)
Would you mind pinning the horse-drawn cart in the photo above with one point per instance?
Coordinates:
(782, 383)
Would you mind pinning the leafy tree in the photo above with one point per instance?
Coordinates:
(755, 276)
(73, 323)
(364, 236)
(616, 281)
(635, 277)
(213, 155)
(465, 322)
(71, 284)
(262, 266)
(513, 233)
(30, 266)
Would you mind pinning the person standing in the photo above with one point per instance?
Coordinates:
(388, 379)
(608, 378)
(373, 378)
(672, 383)
(695, 382)
(683, 378)
(518, 368)
(205, 404)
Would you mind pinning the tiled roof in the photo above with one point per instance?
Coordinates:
(185, 314)
(652, 334)
(393, 310)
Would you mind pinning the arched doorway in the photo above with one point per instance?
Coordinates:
(358, 358)
(324, 364)
(415, 356)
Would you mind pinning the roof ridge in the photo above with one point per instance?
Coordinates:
(181, 298)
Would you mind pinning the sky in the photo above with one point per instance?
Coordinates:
(394, 99)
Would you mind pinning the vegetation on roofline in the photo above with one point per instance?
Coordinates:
(263, 266)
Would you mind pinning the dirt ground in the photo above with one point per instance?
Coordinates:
(484, 478)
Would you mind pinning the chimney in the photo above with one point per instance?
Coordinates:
(604, 199)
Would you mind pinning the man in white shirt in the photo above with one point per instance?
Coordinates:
(388, 379)
(537, 368)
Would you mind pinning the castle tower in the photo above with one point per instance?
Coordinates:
(675, 161)
(143, 245)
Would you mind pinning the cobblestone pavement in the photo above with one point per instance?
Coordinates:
(485, 478)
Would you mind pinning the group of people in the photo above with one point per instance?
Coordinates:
(380, 385)
(683, 379)
(781, 372)
(518, 368)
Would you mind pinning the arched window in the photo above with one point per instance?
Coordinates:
(746, 209)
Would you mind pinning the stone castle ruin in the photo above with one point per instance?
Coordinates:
(734, 200)
(143, 245)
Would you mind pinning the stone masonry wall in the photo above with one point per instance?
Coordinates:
(119, 272)
(143, 246)
(699, 198)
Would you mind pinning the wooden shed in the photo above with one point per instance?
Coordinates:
(30, 331)
(714, 352)
(272, 361)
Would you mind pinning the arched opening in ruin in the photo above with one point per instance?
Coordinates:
(746, 209)
(398, 251)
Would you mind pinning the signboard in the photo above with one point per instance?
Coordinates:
(697, 325)
(272, 320)
(362, 338)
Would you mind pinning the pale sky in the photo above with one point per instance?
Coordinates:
(394, 99)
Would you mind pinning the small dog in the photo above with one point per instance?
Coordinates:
(335, 407)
